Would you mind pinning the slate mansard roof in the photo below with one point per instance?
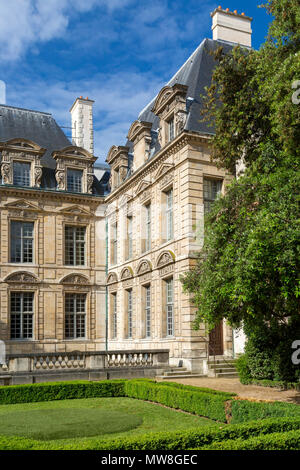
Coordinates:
(196, 74)
(42, 129)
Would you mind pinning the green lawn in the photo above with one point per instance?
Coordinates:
(67, 420)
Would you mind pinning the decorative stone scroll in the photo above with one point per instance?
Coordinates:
(144, 267)
(127, 273)
(112, 278)
(165, 258)
(75, 279)
(22, 277)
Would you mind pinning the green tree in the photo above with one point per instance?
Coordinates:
(249, 268)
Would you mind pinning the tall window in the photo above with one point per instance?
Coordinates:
(129, 313)
(170, 307)
(148, 227)
(21, 242)
(211, 189)
(21, 315)
(75, 313)
(148, 311)
(74, 246)
(129, 237)
(74, 180)
(114, 330)
(114, 244)
(21, 174)
(171, 129)
(169, 214)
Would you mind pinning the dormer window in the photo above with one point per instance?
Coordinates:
(21, 173)
(74, 180)
(171, 131)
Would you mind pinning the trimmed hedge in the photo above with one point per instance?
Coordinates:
(184, 440)
(243, 410)
(199, 389)
(277, 441)
(277, 424)
(60, 391)
(176, 440)
(204, 404)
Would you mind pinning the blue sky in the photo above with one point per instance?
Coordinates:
(118, 52)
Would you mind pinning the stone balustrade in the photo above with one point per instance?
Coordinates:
(144, 359)
(28, 368)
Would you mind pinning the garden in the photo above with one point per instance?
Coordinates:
(141, 415)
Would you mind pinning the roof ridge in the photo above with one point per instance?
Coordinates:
(25, 109)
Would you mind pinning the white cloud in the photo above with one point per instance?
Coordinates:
(118, 101)
(25, 23)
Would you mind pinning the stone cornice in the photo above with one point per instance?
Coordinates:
(23, 193)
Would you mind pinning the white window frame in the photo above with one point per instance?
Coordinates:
(170, 306)
(21, 314)
(169, 215)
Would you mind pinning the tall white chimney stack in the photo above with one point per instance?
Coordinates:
(82, 123)
(231, 26)
(2, 92)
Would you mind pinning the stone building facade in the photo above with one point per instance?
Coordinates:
(91, 255)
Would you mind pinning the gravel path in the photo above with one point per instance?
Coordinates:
(244, 391)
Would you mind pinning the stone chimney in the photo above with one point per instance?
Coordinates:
(82, 123)
(231, 26)
(2, 92)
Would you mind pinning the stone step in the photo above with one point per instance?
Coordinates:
(176, 372)
(187, 376)
(224, 369)
(224, 365)
(229, 375)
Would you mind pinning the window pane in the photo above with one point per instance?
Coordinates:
(148, 311)
(21, 174)
(129, 236)
(74, 246)
(211, 189)
(75, 316)
(21, 311)
(148, 228)
(169, 214)
(129, 312)
(171, 129)
(74, 180)
(170, 314)
(21, 242)
(114, 319)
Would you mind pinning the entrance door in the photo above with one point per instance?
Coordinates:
(216, 340)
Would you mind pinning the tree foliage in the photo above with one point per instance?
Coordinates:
(249, 268)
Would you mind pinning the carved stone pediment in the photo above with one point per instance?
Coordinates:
(75, 210)
(166, 95)
(22, 277)
(138, 127)
(74, 152)
(75, 279)
(127, 273)
(163, 169)
(142, 186)
(165, 258)
(125, 199)
(144, 267)
(112, 278)
(23, 145)
(22, 204)
(117, 151)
